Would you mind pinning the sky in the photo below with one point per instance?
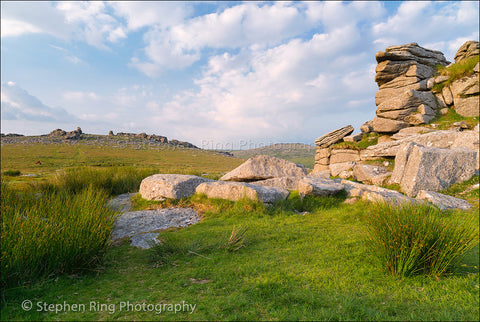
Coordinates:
(221, 75)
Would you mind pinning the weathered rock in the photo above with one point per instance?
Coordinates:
(384, 138)
(401, 106)
(346, 174)
(174, 186)
(57, 133)
(467, 50)
(261, 167)
(344, 155)
(447, 95)
(414, 52)
(287, 183)
(441, 79)
(389, 70)
(121, 203)
(443, 201)
(444, 111)
(337, 168)
(465, 93)
(476, 69)
(439, 139)
(410, 131)
(146, 221)
(325, 174)
(427, 168)
(374, 193)
(333, 137)
(440, 101)
(385, 94)
(353, 138)
(237, 190)
(383, 125)
(366, 127)
(311, 186)
(370, 174)
(320, 168)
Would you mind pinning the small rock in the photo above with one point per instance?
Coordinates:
(443, 201)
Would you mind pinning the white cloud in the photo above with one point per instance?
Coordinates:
(161, 14)
(441, 25)
(14, 28)
(18, 104)
(78, 95)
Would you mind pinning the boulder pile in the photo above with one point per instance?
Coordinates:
(403, 98)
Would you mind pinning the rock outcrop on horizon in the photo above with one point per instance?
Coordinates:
(403, 98)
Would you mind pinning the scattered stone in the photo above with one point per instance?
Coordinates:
(441, 79)
(174, 186)
(237, 190)
(447, 95)
(385, 138)
(411, 131)
(444, 111)
(261, 167)
(311, 186)
(333, 137)
(147, 221)
(443, 201)
(320, 173)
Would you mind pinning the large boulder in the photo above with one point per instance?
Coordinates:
(344, 155)
(313, 186)
(287, 183)
(139, 225)
(439, 139)
(333, 137)
(467, 50)
(238, 190)
(383, 125)
(262, 167)
(412, 52)
(174, 186)
(371, 174)
(419, 167)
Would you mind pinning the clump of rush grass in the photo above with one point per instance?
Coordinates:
(12, 173)
(50, 233)
(237, 239)
(113, 180)
(419, 239)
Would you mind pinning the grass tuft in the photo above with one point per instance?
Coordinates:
(419, 239)
(12, 173)
(237, 239)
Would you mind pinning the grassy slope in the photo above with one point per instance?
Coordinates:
(295, 152)
(313, 267)
(55, 157)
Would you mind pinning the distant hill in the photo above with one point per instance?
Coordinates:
(295, 152)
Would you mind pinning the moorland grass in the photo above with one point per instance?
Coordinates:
(303, 259)
(294, 266)
(412, 239)
(50, 233)
(455, 71)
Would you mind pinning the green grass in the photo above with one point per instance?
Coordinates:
(446, 121)
(11, 173)
(419, 239)
(458, 70)
(294, 267)
(367, 140)
(49, 233)
(302, 260)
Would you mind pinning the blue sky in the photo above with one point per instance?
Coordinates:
(217, 74)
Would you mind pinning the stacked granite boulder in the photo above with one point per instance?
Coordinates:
(403, 98)
(334, 161)
(463, 93)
